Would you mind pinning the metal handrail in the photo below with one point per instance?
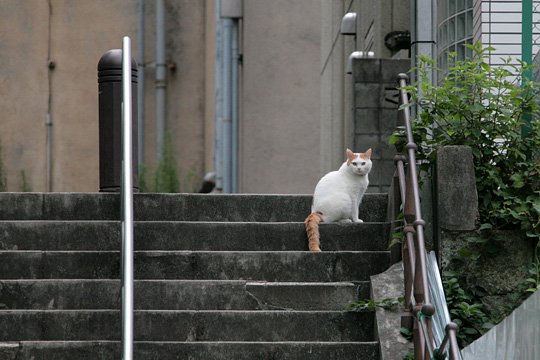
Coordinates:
(127, 204)
(450, 340)
(418, 307)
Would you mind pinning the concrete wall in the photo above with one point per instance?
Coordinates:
(279, 103)
(279, 139)
(378, 18)
(74, 35)
(296, 103)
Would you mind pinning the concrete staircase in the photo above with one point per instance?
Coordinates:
(217, 277)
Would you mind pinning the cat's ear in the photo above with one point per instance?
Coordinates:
(350, 154)
(368, 153)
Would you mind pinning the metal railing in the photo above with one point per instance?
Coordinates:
(418, 306)
(127, 204)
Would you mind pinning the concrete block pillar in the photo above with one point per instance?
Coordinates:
(375, 119)
(456, 197)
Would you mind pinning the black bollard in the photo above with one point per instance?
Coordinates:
(110, 121)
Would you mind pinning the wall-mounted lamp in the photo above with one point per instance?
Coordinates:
(398, 40)
(348, 24)
(358, 55)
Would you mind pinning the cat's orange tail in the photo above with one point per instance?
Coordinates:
(312, 230)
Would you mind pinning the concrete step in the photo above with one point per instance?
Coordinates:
(169, 325)
(173, 207)
(66, 294)
(111, 350)
(159, 235)
(214, 265)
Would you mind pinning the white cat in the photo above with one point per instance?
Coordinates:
(338, 195)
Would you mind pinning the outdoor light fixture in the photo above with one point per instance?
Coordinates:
(348, 24)
(398, 40)
(358, 55)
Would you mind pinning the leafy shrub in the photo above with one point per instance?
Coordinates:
(465, 310)
(485, 108)
(494, 111)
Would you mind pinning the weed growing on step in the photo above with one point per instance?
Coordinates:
(3, 177)
(166, 178)
(369, 305)
(25, 184)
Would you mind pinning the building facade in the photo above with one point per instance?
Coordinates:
(49, 100)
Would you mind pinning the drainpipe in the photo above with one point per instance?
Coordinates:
(161, 81)
(140, 89)
(48, 118)
(423, 32)
(218, 100)
(230, 13)
(234, 105)
(227, 105)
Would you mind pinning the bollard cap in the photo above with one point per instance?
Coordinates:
(110, 67)
(112, 59)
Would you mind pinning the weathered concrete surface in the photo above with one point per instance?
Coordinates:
(515, 338)
(457, 199)
(189, 235)
(197, 325)
(389, 284)
(66, 294)
(204, 265)
(173, 207)
(91, 350)
(375, 118)
(498, 275)
(212, 289)
(9, 350)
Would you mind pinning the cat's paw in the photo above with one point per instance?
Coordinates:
(345, 221)
(358, 221)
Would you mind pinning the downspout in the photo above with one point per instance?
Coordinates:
(234, 104)
(161, 81)
(230, 13)
(423, 30)
(227, 105)
(218, 100)
(48, 118)
(140, 89)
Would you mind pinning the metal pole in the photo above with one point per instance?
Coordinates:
(227, 108)
(140, 89)
(161, 73)
(526, 55)
(127, 205)
(218, 164)
(234, 105)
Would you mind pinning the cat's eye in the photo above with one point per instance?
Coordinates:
(363, 163)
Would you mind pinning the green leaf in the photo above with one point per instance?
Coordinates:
(518, 181)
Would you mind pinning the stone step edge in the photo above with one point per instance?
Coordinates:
(62, 342)
(204, 222)
(113, 311)
(181, 252)
(193, 281)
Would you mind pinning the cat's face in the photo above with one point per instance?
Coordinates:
(359, 163)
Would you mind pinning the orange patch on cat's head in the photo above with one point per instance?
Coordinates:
(351, 156)
(366, 155)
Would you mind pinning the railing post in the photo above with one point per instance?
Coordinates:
(110, 120)
(127, 202)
